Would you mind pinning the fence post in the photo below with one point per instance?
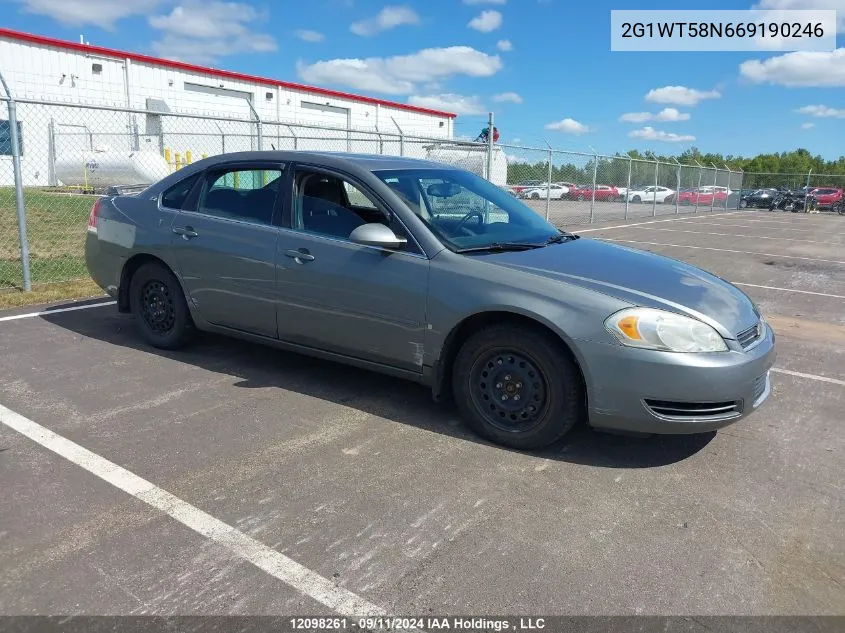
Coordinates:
(401, 137)
(715, 182)
(593, 196)
(727, 193)
(677, 185)
(52, 180)
(809, 173)
(490, 146)
(698, 188)
(549, 183)
(654, 198)
(19, 203)
(741, 186)
(628, 186)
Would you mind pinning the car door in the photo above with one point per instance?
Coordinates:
(360, 301)
(224, 243)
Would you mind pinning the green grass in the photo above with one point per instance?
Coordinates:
(56, 224)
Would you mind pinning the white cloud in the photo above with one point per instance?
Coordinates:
(507, 97)
(671, 115)
(202, 32)
(636, 117)
(504, 45)
(399, 74)
(459, 104)
(648, 133)
(666, 115)
(486, 21)
(822, 112)
(485, 1)
(807, 126)
(798, 69)
(838, 5)
(102, 13)
(388, 18)
(680, 95)
(309, 36)
(568, 126)
(516, 140)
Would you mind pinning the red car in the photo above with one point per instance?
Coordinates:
(826, 197)
(705, 196)
(604, 193)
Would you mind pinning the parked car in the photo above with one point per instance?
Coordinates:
(553, 191)
(526, 184)
(759, 199)
(704, 196)
(827, 197)
(651, 194)
(604, 193)
(352, 258)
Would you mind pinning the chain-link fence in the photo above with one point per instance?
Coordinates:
(69, 154)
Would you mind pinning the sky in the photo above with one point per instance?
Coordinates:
(543, 67)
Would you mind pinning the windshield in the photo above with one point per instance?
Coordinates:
(466, 211)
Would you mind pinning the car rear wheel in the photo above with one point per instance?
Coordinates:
(743, 204)
(636, 199)
(535, 196)
(517, 386)
(158, 305)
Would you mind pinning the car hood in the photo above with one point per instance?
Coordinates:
(639, 278)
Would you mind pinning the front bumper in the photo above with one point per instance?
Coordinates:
(645, 391)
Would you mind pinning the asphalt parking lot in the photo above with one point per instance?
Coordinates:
(300, 486)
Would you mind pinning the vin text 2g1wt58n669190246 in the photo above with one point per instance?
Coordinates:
(431, 273)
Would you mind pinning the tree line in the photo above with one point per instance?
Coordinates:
(786, 169)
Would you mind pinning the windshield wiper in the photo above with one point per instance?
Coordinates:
(501, 247)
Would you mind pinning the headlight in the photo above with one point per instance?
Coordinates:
(655, 329)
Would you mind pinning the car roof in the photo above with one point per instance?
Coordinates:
(343, 161)
(331, 159)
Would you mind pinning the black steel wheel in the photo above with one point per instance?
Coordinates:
(158, 304)
(157, 308)
(509, 391)
(518, 386)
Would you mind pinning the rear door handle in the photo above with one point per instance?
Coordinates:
(300, 255)
(187, 232)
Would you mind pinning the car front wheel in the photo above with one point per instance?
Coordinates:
(636, 199)
(158, 305)
(517, 387)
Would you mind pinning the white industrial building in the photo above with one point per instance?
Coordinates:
(233, 111)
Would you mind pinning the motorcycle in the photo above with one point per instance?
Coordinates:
(794, 202)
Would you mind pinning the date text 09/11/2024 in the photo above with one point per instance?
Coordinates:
(382, 623)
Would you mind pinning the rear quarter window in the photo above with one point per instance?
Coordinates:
(177, 195)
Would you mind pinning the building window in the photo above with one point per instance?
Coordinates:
(96, 68)
(6, 138)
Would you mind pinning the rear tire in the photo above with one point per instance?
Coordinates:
(743, 204)
(517, 387)
(636, 199)
(157, 303)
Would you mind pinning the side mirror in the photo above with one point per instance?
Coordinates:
(377, 234)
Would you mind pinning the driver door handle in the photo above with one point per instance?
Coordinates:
(186, 232)
(300, 255)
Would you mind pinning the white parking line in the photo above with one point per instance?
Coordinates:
(726, 250)
(677, 219)
(267, 559)
(29, 315)
(803, 292)
(755, 237)
(798, 374)
(749, 226)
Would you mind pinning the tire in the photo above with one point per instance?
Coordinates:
(743, 204)
(840, 208)
(535, 196)
(636, 199)
(506, 362)
(167, 323)
(580, 198)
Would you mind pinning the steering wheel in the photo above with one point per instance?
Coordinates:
(465, 219)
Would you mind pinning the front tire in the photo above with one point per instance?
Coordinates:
(517, 387)
(158, 305)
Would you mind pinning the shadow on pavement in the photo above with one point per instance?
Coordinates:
(257, 366)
